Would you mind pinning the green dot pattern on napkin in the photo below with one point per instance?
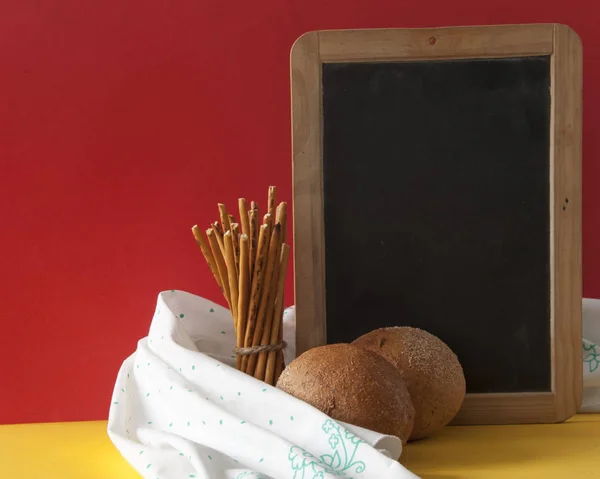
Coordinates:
(342, 458)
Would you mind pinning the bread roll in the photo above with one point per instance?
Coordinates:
(353, 385)
(433, 375)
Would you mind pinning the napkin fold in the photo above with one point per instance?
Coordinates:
(180, 409)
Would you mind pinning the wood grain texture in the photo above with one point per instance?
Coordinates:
(430, 43)
(309, 244)
(519, 408)
(315, 48)
(566, 221)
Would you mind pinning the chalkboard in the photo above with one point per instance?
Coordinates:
(437, 184)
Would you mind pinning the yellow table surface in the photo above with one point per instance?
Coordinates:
(82, 450)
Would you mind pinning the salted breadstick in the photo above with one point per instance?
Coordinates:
(279, 367)
(256, 290)
(254, 207)
(280, 361)
(277, 316)
(218, 230)
(281, 217)
(259, 372)
(272, 200)
(243, 208)
(253, 237)
(272, 260)
(210, 259)
(243, 296)
(224, 217)
(268, 220)
(235, 234)
(231, 220)
(232, 275)
(221, 267)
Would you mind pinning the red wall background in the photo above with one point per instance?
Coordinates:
(123, 123)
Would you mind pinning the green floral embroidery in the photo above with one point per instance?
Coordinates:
(250, 475)
(593, 358)
(344, 444)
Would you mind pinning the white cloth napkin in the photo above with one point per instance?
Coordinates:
(591, 356)
(181, 410)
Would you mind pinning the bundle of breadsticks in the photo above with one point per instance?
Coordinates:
(250, 267)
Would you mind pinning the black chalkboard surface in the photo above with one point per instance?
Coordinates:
(437, 184)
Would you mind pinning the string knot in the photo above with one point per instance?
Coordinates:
(265, 348)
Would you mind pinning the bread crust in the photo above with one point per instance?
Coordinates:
(353, 385)
(432, 373)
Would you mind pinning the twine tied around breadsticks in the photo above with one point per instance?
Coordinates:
(265, 348)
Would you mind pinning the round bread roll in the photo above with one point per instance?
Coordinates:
(353, 385)
(434, 377)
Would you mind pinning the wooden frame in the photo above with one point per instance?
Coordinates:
(563, 45)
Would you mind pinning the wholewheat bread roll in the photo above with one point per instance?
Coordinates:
(353, 385)
(433, 375)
